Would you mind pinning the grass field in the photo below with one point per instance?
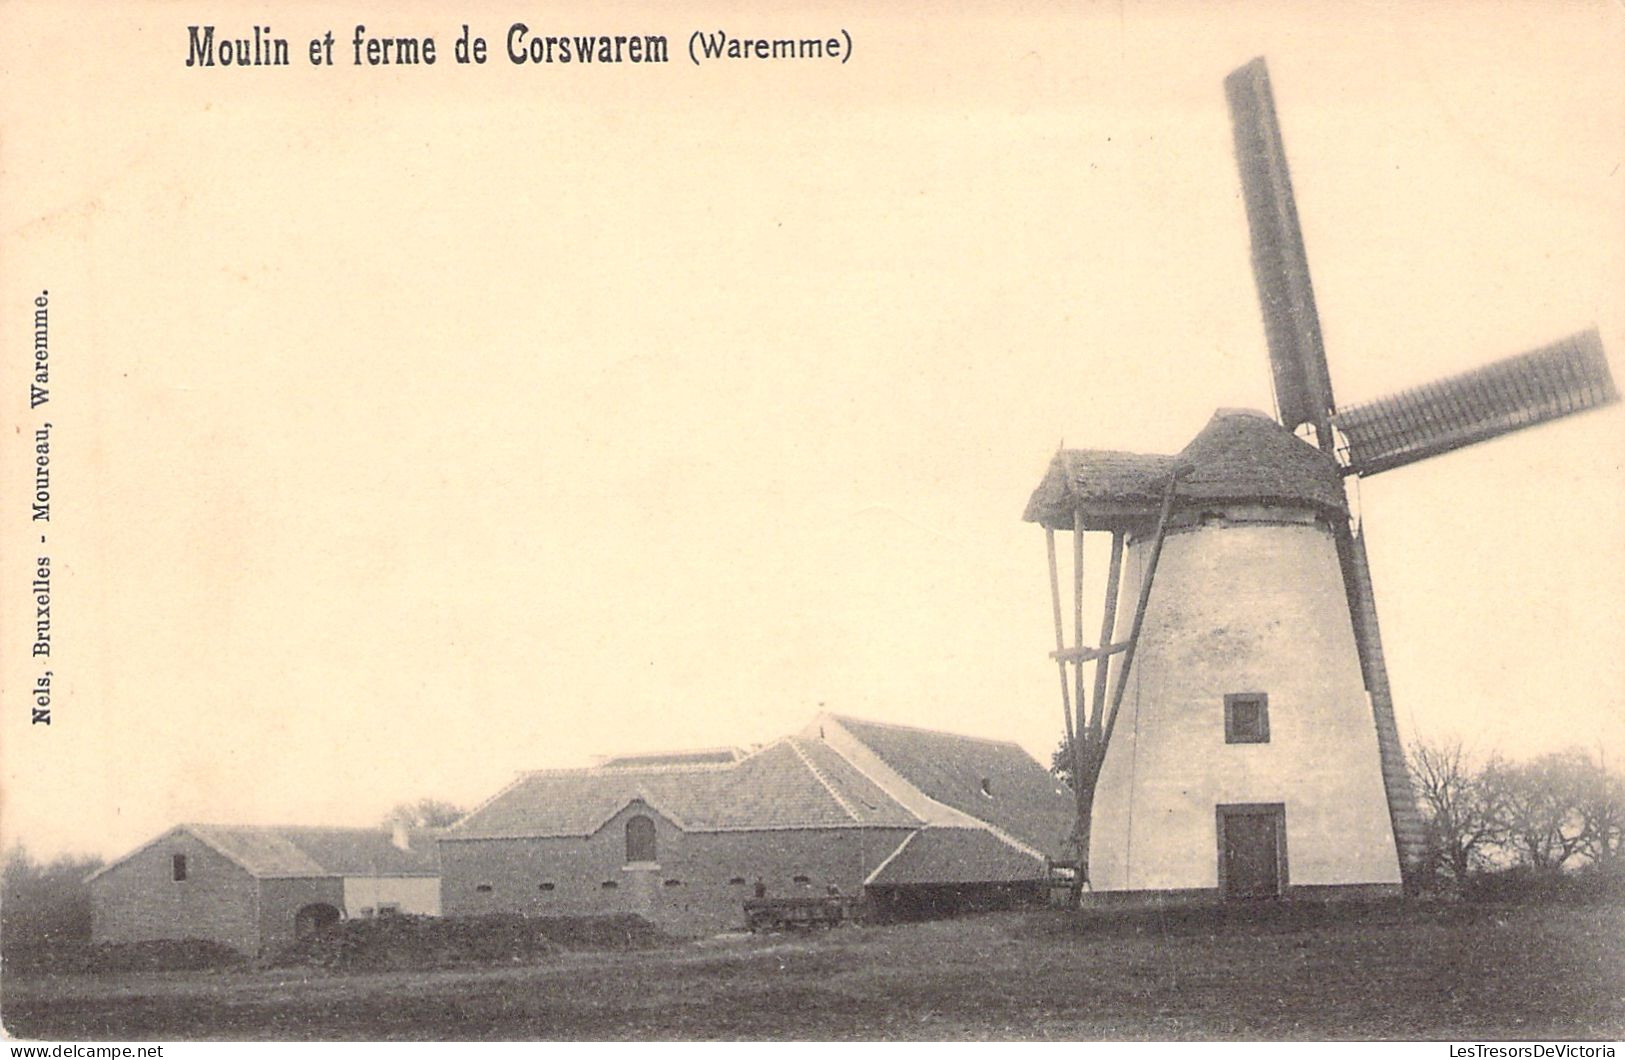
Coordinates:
(1292, 972)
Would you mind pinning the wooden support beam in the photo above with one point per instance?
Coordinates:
(1060, 638)
(1108, 624)
(1140, 604)
(1083, 655)
(1077, 613)
(1083, 755)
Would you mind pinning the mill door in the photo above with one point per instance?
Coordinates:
(1252, 850)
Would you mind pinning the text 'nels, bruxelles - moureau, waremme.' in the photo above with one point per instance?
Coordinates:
(522, 46)
(39, 588)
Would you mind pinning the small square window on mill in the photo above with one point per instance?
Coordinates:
(1247, 718)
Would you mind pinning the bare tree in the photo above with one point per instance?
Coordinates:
(1541, 808)
(44, 901)
(1465, 814)
(424, 813)
(1601, 806)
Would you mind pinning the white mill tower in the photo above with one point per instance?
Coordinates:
(1245, 760)
(1239, 741)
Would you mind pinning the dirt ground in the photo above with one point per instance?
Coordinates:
(1386, 971)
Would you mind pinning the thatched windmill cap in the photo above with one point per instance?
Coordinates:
(1241, 456)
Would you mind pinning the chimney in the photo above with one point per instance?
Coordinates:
(400, 836)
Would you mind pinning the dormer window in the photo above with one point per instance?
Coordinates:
(1247, 717)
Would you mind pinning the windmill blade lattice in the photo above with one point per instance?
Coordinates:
(1558, 380)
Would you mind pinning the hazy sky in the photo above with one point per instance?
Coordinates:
(413, 427)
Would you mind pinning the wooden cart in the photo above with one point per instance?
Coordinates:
(801, 914)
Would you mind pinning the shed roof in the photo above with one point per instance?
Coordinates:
(1241, 455)
(291, 851)
(956, 855)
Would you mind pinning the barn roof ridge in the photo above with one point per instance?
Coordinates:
(812, 767)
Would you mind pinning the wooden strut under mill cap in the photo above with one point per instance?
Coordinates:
(1087, 738)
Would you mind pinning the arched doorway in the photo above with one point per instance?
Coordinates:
(314, 919)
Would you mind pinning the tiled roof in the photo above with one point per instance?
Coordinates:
(977, 810)
(855, 791)
(957, 855)
(1020, 798)
(298, 851)
(788, 784)
(1241, 455)
(273, 852)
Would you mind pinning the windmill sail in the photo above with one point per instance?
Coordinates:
(1568, 376)
(1410, 838)
(1303, 389)
(1303, 394)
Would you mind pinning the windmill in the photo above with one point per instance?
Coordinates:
(1260, 701)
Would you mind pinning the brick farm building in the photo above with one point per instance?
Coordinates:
(914, 819)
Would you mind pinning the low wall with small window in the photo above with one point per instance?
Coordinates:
(697, 882)
(366, 896)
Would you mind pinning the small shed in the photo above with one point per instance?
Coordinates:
(258, 888)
